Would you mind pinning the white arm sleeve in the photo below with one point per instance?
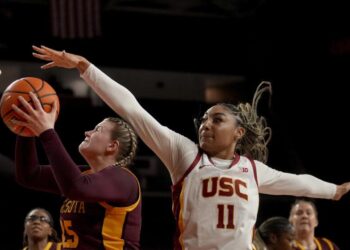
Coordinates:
(275, 182)
(175, 150)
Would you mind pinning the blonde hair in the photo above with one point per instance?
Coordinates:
(127, 140)
(257, 134)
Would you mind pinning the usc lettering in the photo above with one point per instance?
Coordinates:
(223, 186)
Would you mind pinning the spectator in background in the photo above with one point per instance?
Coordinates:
(303, 216)
(39, 232)
(275, 233)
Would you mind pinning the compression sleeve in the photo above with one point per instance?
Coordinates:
(113, 184)
(272, 181)
(176, 151)
(28, 171)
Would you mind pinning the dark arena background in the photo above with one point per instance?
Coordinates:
(178, 57)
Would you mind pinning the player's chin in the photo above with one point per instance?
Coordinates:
(205, 146)
(82, 147)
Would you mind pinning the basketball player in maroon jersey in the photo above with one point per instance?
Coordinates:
(39, 232)
(216, 184)
(303, 215)
(102, 209)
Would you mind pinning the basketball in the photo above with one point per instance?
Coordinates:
(21, 87)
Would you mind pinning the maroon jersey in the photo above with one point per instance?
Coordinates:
(99, 225)
(102, 209)
(50, 246)
(321, 243)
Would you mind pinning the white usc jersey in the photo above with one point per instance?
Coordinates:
(216, 208)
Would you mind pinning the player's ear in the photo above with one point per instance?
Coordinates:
(240, 132)
(113, 145)
(273, 238)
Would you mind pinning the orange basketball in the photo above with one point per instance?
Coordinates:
(21, 87)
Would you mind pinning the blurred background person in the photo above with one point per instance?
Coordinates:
(303, 216)
(275, 233)
(39, 232)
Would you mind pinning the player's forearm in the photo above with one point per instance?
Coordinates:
(25, 160)
(158, 138)
(63, 167)
(124, 103)
(116, 96)
(299, 185)
(28, 171)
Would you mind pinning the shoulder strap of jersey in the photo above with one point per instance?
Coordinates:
(329, 243)
(254, 170)
(194, 163)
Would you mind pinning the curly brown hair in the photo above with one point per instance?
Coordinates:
(257, 134)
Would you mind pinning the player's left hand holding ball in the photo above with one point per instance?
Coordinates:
(36, 119)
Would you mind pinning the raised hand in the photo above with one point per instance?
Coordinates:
(61, 59)
(36, 119)
(342, 190)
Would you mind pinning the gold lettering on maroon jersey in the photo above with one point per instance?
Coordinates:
(70, 206)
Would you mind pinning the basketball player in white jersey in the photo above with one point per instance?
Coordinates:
(216, 183)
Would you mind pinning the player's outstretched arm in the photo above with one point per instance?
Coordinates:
(61, 59)
(341, 190)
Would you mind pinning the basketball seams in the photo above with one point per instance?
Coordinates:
(32, 85)
(46, 95)
(22, 87)
(11, 110)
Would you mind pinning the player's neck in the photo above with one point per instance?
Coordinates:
(308, 244)
(37, 245)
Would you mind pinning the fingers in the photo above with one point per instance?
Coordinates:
(38, 49)
(48, 65)
(42, 54)
(54, 107)
(61, 59)
(26, 105)
(45, 53)
(49, 50)
(37, 104)
(42, 57)
(44, 50)
(28, 111)
(20, 113)
(19, 122)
